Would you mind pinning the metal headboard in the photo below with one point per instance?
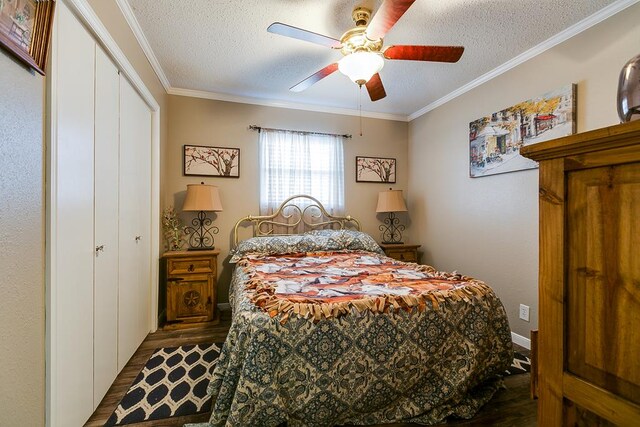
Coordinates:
(312, 216)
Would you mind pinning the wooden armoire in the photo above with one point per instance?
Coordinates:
(589, 278)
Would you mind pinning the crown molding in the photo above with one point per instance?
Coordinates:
(562, 36)
(131, 19)
(133, 23)
(87, 15)
(283, 104)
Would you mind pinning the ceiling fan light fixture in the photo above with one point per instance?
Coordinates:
(360, 66)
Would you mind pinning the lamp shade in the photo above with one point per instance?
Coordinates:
(391, 201)
(202, 197)
(360, 66)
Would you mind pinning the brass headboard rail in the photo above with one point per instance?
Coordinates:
(311, 217)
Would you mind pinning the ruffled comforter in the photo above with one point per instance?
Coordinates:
(353, 337)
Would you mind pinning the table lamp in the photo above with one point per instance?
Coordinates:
(391, 201)
(201, 198)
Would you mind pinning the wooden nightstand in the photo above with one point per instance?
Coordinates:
(401, 252)
(191, 278)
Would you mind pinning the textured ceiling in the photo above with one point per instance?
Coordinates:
(222, 46)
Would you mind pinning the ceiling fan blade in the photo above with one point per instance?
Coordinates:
(424, 53)
(300, 34)
(375, 88)
(314, 78)
(386, 17)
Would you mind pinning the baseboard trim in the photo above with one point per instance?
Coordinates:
(224, 306)
(520, 340)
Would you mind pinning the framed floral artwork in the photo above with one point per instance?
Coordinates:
(375, 169)
(202, 160)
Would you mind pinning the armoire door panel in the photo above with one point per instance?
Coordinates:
(589, 287)
(106, 225)
(577, 416)
(135, 230)
(72, 189)
(603, 293)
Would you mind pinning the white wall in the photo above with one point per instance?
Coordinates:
(218, 123)
(488, 227)
(21, 246)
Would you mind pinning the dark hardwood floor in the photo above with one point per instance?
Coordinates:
(199, 335)
(509, 407)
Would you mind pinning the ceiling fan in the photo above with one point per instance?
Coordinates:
(362, 47)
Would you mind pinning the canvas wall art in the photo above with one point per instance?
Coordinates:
(211, 161)
(375, 169)
(495, 140)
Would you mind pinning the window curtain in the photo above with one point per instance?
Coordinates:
(293, 163)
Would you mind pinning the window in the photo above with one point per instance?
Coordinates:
(294, 163)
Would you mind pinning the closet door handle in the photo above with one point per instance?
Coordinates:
(138, 238)
(99, 249)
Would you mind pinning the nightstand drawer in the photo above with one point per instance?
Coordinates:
(401, 252)
(191, 266)
(408, 256)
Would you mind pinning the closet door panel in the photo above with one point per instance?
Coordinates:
(72, 284)
(134, 285)
(144, 206)
(106, 225)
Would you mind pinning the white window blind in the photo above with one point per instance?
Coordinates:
(293, 163)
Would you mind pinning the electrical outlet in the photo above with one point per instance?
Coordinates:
(524, 312)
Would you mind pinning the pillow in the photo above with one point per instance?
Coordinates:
(313, 241)
(350, 239)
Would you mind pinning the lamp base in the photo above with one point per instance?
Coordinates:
(391, 230)
(392, 243)
(201, 234)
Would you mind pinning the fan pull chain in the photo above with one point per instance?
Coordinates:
(360, 107)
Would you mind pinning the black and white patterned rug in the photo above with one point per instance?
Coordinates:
(521, 364)
(172, 383)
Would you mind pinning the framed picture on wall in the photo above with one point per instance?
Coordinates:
(375, 169)
(202, 160)
(25, 30)
(495, 140)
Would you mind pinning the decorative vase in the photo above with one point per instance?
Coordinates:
(629, 91)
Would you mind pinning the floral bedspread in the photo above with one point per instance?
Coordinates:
(334, 283)
(354, 337)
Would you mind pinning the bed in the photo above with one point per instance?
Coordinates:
(326, 330)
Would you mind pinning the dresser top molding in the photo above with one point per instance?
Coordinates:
(617, 136)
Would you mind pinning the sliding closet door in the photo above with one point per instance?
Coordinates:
(142, 114)
(144, 211)
(71, 223)
(107, 125)
(135, 233)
